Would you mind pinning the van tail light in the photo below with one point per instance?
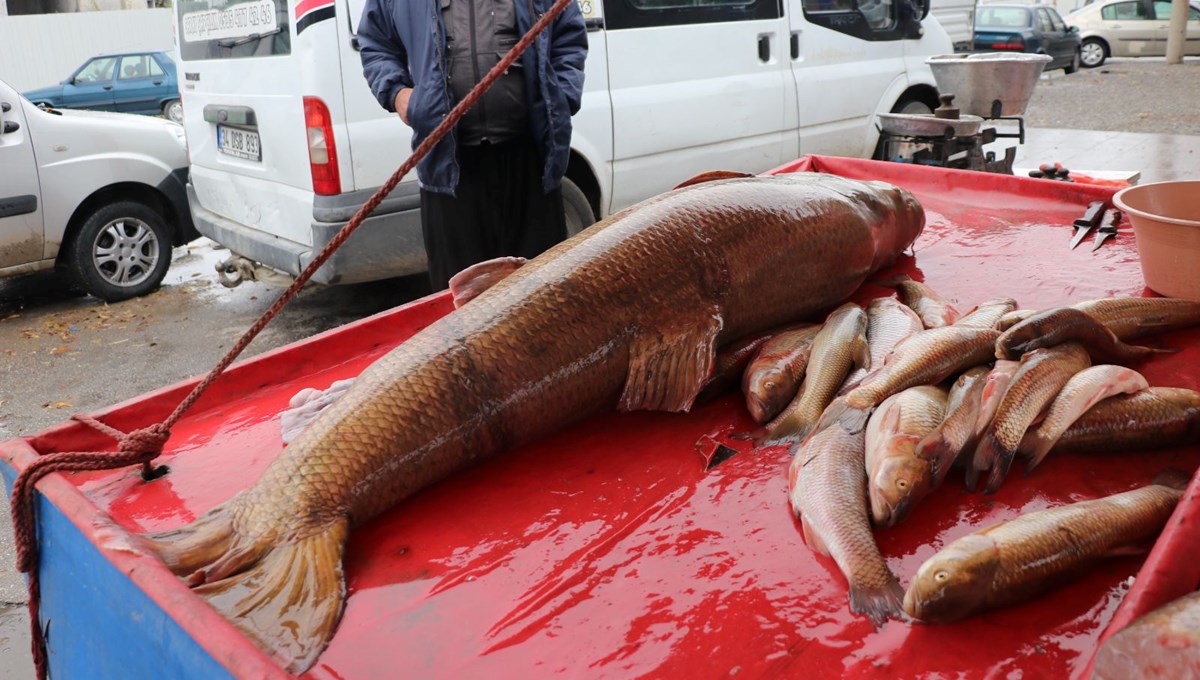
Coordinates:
(322, 152)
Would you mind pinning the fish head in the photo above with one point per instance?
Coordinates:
(899, 219)
(899, 483)
(767, 392)
(954, 583)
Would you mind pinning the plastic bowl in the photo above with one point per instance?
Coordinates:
(1166, 222)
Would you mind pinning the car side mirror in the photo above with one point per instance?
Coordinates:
(71, 80)
(920, 8)
(1072, 29)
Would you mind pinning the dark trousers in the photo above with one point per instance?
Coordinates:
(499, 209)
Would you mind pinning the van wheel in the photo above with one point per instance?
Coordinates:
(579, 211)
(173, 111)
(122, 251)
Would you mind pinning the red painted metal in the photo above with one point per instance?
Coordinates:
(607, 550)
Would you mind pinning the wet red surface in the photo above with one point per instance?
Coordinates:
(608, 550)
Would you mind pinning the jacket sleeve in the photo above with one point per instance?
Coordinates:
(384, 57)
(568, 50)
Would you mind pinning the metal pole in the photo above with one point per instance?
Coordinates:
(1176, 32)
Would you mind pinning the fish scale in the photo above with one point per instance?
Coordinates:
(626, 314)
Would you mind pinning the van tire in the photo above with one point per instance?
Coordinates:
(173, 111)
(578, 211)
(136, 231)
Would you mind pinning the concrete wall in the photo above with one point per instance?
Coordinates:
(41, 49)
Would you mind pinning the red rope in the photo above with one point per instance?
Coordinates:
(144, 445)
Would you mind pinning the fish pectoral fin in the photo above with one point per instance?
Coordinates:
(712, 176)
(291, 600)
(669, 366)
(812, 537)
(1127, 551)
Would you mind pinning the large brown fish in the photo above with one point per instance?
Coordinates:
(1162, 645)
(889, 322)
(775, 374)
(625, 314)
(1015, 560)
(1156, 418)
(1134, 317)
(935, 311)
(898, 478)
(840, 345)
(1064, 324)
(828, 490)
(988, 313)
(956, 432)
(1083, 391)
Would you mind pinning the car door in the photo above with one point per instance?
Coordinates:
(1162, 21)
(1057, 42)
(1128, 27)
(91, 87)
(22, 239)
(1192, 47)
(696, 85)
(140, 84)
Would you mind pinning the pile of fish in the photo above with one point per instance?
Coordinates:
(879, 405)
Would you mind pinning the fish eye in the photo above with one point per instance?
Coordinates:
(941, 576)
(902, 483)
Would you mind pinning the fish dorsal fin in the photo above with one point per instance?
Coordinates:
(470, 282)
(712, 176)
(668, 365)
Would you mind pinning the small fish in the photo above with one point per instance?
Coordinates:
(1156, 418)
(956, 432)
(731, 361)
(1013, 318)
(840, 345)
(827, 489)
(1056, 326)
(1083, 391)
(1012, 561)
(935, 311)
(774, 375)
(1135, 317)
(988, 313)
(925, 358)
(888, 323)
(897, 478)
(1040, 378)
(1164, 644)
(994, 390)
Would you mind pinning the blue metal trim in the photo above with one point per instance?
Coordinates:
(100, 624)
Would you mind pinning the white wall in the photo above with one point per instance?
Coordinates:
(42, 49)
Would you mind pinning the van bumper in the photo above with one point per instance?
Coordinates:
(386, 245)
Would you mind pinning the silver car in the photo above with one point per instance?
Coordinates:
(1130, 28)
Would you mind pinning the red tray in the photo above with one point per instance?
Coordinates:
(607, 549)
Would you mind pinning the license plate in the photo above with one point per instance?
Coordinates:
(239, 143)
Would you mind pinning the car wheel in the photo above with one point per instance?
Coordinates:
(173, 111)
(1074, 65)
(1092, 53)
(579, 211)
(122, 251)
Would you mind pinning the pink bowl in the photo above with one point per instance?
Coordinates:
(1166, 222)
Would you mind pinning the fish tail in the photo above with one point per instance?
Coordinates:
(878, 603)
(287, 596)
(840, 412)
(999, 472)
(1035, 449)
(1175, 479)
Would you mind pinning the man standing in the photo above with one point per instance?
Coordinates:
(492, 187)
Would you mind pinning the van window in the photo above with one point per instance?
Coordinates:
(646, 13)
(230, 29)
(864, 19)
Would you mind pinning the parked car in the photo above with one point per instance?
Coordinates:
(1037, 29)
(135, 82)
(1130, 28)
(99, 196)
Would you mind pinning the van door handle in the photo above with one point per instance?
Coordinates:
(11, 126)
(764, 48)
(5, 107)
(795, 44)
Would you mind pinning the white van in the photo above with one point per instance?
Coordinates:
(958, 18)
(287, 141)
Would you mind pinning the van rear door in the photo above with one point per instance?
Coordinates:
(21, 228)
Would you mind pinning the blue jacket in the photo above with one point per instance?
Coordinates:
(403, 44)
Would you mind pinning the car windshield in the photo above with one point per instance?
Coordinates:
(228, 29)
(1002, 17)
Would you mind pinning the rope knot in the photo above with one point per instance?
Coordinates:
(145, 444)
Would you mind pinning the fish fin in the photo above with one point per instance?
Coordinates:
(470, 282)
(712, 176)
(668, 368)
(1176, 479)
(195, 546)
(999, 472)
(813, 537)
(1127, 551)
(291, 600)
(878, 604)
(893, 281)
(839, 411)
(862, 354)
